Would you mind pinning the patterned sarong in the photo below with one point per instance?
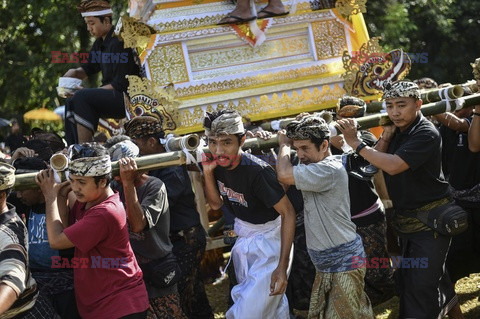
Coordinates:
(340, 295)
(379, 282)
(165, 307)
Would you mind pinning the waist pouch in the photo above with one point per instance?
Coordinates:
(163, 272)
(448, 219)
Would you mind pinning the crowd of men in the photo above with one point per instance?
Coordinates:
(130, 246)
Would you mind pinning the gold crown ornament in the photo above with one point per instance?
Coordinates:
(369, 69)
(147, 98)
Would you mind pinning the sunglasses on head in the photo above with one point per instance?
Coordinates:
(78, 151)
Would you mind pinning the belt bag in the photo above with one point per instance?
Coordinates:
(448, 219)
(163, 272)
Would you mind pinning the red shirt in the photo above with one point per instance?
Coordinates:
(111, 286)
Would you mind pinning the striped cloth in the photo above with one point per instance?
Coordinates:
(14, 262)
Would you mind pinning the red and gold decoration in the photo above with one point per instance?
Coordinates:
(369, 69)
(148, 98)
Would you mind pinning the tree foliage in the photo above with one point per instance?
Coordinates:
(445, 29)
(29, 31)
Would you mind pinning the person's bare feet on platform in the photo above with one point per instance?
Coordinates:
(241, 14)
(274, 8)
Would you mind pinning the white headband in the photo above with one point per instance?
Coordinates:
(97, 13)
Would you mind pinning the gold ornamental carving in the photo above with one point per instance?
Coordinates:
(330, 40)
(252, 81)
(369, 69)
(186, 24)
(148, 98)
(167, 64)
(264, 107)
(135, 34)
(239, 55)
(210, 30)
(347, 8)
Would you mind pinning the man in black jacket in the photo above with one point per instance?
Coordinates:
(84, 108)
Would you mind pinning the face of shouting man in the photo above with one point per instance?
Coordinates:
(226, 150)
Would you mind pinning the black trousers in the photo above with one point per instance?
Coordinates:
(425, 289)
(87, 106)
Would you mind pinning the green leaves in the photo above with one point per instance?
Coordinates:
(29, 31)
(445, 29)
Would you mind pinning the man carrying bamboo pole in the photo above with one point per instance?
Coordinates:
(264, 223)
(108, 280)
(409, 152)
(19, 297)
(146, 203)
(462, 170)
(366, 208)
(334, 247)
(186, 233)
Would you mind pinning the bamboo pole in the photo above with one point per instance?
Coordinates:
(144, 163)
(367, 122)
(427, 110)
(190, 142)
(470, 100)
(25, 181)
(430, 96)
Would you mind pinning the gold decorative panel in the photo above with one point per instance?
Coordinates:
(330, 40)
(253, 81)
(206, 59)
(167, 64)
(264, 107)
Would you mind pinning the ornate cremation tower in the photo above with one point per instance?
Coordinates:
(264, 69)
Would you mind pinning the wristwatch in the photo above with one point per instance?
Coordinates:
(360, 147)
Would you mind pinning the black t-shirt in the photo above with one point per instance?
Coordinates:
(181, 200)
(362, 193)
(113, 60)
(420, 146)
(250, 190)
(460, 166)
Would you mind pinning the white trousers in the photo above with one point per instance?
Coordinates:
(255, 255)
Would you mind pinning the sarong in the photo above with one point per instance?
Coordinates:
(340, 295)
(165, 307)
(379, 282)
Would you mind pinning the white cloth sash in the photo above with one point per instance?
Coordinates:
(255, 255)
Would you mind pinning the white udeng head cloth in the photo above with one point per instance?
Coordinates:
(97, 13)
(90, 166)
